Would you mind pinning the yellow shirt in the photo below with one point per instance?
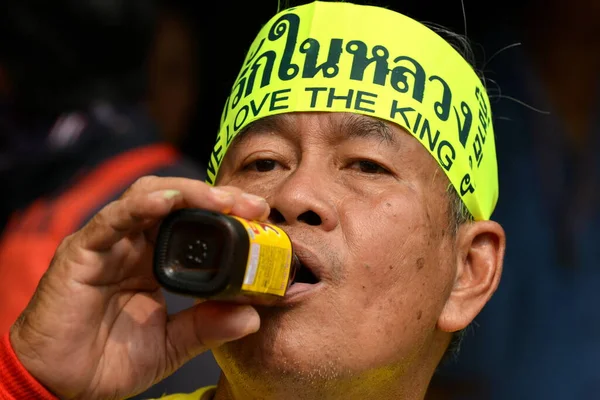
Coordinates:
(206, 393)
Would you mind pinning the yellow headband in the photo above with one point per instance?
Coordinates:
(342, 57)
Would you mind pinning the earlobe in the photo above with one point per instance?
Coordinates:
(479, 257)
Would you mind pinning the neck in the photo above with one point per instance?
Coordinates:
(383, 385)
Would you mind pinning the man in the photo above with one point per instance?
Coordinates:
(329, 133)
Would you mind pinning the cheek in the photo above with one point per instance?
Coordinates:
(378, 225)
(394, 256)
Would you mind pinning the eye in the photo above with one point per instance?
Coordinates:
(263, 165)
(368, 167)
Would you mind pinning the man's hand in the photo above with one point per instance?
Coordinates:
(97, 326)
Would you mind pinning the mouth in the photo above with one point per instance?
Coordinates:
(305, 280)
(307, 276)
(303, 273)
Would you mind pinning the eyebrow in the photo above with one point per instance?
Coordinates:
(270, 124)
(364, 127)
(350, 126)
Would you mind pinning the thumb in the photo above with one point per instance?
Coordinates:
(207, 325)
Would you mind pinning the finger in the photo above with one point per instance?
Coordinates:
(125, 216)
(248, 205)
(198, 194)
(207, 325)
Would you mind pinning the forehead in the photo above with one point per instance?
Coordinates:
(330, 127)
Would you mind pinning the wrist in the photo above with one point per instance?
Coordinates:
(16, 382)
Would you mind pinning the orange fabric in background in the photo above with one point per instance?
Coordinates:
(32, 236)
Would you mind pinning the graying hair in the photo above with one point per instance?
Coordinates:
(458, 212)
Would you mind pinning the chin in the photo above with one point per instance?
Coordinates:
(291, 342)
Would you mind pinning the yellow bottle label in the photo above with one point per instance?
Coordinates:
(269, 259)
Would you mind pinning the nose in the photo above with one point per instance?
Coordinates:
(304, 197)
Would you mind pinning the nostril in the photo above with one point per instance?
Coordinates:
(276, 217)
(310, 218)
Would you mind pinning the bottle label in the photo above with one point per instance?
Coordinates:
(269, 259)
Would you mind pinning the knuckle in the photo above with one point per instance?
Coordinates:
(143, 183)
(65, 244)
(67, 248)
(101, 217)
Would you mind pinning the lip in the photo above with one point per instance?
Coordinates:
(295, 294)
(299, 292)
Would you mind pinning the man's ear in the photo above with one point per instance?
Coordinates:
(480, 249)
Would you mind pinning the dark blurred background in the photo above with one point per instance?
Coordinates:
(96, 93)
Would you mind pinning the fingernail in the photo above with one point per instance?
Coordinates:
(255, 199)
(248, 317)
(221, 194)
(165, 194)
(169, 194)
(265, 214)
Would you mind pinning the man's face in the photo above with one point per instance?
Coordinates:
(366, 208)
